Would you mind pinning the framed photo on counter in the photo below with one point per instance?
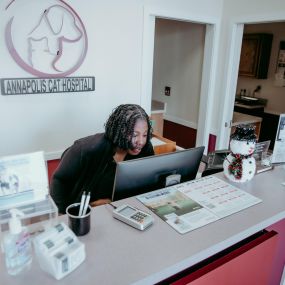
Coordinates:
(23, 179)
(278, 155)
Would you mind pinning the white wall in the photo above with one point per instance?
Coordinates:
(178, 60)
(274, 95)
(51, 122)
(198, 9)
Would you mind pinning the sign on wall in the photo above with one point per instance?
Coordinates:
(50, 44)
(22, 86)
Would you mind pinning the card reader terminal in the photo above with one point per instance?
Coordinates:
(133, 217)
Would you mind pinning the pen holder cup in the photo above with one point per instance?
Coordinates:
(80, 225)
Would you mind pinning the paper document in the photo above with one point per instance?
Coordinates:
(23, 179)
(193, 204)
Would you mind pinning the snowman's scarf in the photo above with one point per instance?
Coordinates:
(235, 167)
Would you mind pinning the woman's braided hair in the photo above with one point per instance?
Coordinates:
(119, 127)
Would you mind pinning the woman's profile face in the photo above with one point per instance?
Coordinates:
(139, 137)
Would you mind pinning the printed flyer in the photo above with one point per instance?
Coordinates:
(195, 203)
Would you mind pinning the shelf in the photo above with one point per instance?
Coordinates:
(157, 107)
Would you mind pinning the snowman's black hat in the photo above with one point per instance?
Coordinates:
(244, 133)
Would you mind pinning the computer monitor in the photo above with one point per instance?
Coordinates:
(138, 176)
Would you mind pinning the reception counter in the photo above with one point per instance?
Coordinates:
(119, 254)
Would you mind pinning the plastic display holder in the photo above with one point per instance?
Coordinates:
(38, 216)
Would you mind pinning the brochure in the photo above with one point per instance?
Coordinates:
(278, 155)
(196, 203)
(23, 179)
(262, 156)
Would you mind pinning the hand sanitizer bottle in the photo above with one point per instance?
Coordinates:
(17, 245)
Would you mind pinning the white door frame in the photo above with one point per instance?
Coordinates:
(232, 72)
(209, 64)
(230, 88)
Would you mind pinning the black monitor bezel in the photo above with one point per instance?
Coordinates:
(172, 162)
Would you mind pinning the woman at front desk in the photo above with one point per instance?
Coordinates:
(90, 163)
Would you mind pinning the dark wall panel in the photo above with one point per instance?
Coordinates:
(183, 136)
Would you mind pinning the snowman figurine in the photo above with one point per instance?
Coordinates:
(239, 165)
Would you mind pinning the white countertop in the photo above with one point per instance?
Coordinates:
(119, 254)
(266, 110)
(158, 107)
(248, 106)
(240, 118)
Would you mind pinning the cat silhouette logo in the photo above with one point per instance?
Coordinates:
(45, 38)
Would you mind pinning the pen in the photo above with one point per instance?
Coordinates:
(86, 204)
(81, 204)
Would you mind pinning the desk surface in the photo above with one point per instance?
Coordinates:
(249, 106)
(119, 254)
(240, 118)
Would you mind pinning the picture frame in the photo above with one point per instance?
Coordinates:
(249, 55)
(255, 55)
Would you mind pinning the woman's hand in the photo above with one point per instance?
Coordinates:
(100, 202)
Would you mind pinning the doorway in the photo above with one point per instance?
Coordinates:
(267, 91)
(207, 75)
(177, 75)
(231, 78)
(233, 84)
